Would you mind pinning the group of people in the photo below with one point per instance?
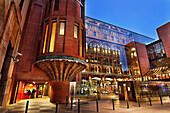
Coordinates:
(31, 93)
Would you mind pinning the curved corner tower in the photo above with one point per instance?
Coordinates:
(62, 48)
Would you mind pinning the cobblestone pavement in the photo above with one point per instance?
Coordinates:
(42, 105)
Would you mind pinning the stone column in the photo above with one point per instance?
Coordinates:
(59, 91)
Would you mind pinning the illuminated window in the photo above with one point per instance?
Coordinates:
(106, 51)
(98, 49)
(135, 54)
(81, 47)
(75, 31)
(45, 38)
(133, 49)
(62, 28)
(56, 5)
(86, 47)
(131, 55)
(86, 32)
(52, 39)
(103, 51)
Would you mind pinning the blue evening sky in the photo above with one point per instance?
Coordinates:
(140, 16)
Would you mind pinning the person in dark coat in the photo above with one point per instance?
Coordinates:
(33, 92)
(29, 93)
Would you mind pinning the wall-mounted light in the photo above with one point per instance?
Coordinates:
(14, 57)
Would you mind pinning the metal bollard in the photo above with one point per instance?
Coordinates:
(71, 103)
(78, 105)
(66, 100)
(138, 102)
(127, 104)
(26, 107)
(97, 107)
(56, 106)
(161, 100)
(150, 101)
(113, 104)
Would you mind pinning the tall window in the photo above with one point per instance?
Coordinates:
(81, 43)
(52, 39)
(49, 6)
(123, 41)
(94, 33)
(86, 32)
(45, 38)
(105, 36)
(21, 4)
(117, 39)
(112, 38)
(56, 5)
(62, 28)
(81, 12)
(76, 31)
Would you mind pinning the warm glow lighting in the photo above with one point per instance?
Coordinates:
(52, 41)
(30, 85)
(75, 31)
(135, 54)
(131, 55)
(45, 38)
(81, 47)
(96, 78)
(133, 49)
(120, 79)
(109, 79)
(62, 28)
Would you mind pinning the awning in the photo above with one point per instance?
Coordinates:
(158, 71)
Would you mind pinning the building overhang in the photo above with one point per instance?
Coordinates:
(59, 67)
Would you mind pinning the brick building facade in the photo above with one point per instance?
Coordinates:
(12, 19)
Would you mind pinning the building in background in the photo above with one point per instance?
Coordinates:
(12, 19)
(159, 55)
(112, 54)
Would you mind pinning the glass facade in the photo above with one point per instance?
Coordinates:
(155, 52)
(111, 56)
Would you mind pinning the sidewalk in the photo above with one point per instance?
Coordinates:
(42, 105)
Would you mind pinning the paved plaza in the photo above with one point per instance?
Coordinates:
(42, 105)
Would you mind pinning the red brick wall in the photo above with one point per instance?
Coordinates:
(29, 46)
(143, 58)
(164, 34)
(69, 10)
